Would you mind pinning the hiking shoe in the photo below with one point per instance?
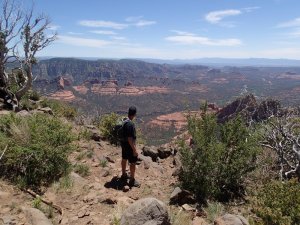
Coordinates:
(124, 177)
(134, 183)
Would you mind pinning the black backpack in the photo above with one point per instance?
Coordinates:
(119, 131)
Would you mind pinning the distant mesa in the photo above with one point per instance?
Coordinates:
(81, 89)
(63, 95)
(128, 83)
(64, 81)
(289, 75)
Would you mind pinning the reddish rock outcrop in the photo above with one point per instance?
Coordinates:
(81, 89)
(63, 95)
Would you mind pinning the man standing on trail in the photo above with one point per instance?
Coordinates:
(129, 151)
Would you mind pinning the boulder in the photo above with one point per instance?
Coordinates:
(46, 110)
(150, 151)
(148, 211)
(96, 136)
(164, 152)
(181, 197)
(189, 208)
(147, 160)
(229, 219)
(95, 133)
(36, 217)
(23, 113)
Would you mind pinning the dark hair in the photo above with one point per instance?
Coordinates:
(132, 111)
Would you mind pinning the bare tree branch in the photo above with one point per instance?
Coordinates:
(3, 152)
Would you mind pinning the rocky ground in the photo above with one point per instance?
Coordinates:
(94, 193)
(96, 198)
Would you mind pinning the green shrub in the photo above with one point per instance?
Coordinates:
(38, 148)
(28, 101)
(82, 170)
(37, 202)
(34, 95)
(103, 162)
(106, 126)
(278, 203)
(221, 156)
(60, 108)
(85, 134)
(213, 210)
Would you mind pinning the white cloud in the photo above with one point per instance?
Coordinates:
(217, 16)
(74, 33)
(54, 27)
(138, 21)
(250, 9)
(102, 23)
(131, 21)
(142, 23)
(292, 23)
(295, 34)
(179, 32)
(105, 32)
(84, 42)
(198, 40)
(119, 38)
(133, 18)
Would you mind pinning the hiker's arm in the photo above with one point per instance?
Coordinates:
(132, 144)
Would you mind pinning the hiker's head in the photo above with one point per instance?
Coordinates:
(131, 112)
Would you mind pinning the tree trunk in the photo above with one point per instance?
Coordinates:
(3, 78)
(27, 85)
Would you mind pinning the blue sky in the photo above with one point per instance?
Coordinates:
(174, 29)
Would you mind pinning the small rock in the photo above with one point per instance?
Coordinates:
(126, 188)
(90, 197)
(109, 159)
(105, 173)
(95, 164)
(23, 113)
(199, 221)
(125, 201)
(181, 197)
(163, 152)
(36, 217)
(147, 161)
(46, 110)
(150, 151)
(82, 214)
(109, 201)
(91, 127)
(229, 219)
(65, 221)
(189, 208)
(9, 220)
(6, 210)
(96, 136)
(176, 172)
(146, 165)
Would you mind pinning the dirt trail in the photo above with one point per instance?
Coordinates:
(94, 199)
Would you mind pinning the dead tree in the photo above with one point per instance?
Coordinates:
(22, 35)
(282, 134)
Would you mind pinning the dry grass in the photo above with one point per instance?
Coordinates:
(180, 217)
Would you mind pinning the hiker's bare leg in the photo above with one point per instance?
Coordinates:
(123, 163)
(132, 170)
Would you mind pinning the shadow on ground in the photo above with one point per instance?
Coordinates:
(116, 183)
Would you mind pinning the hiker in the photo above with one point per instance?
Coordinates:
(129, 151)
